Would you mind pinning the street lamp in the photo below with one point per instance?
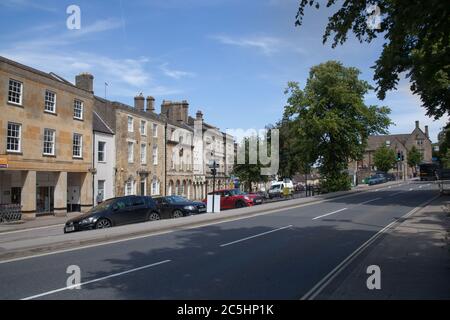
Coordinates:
(213, 165)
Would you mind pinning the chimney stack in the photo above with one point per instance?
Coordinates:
(139, 102)
(184, 111)
(417, 124)
(426, 132)
(150, 104)
(199, 115)
(85, 81)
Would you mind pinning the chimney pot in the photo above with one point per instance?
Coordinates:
(85, 81)
(199, 115)
(139, 102)
(150, 104)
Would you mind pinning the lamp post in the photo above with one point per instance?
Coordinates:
(213, 166)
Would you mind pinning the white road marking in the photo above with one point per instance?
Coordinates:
(322, 284)
(329, 214)
(95, 280)
(255, 236)
(368, 201)
(184, 228)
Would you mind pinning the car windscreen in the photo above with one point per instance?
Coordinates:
(176, 199)
(102, 206)
(276, 186)
(236, 192)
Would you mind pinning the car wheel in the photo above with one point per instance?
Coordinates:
(154, 216)
(177, 214)
(240, 204)
(103, 224)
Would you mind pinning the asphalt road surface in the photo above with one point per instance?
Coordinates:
(281, 255)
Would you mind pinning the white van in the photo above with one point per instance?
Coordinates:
(276, 188)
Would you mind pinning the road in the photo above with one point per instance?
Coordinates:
(280, 255)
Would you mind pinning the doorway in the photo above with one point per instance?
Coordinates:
(45, 199)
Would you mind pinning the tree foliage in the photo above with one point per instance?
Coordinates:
(247, 172)
(384, 158)
(329, 122)
(416, 34)
(414, 157)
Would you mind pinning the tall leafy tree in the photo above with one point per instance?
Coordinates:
(331, 122)
(417, 35)
(414, 158)
(384, 158)
(246, 172)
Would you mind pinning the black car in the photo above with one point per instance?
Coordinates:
(177, 206)
(115, 212)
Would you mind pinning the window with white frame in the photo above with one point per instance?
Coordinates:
(129, 188)
(15, 92)
(13, 137)
(155, 130)
(130, 152)
(77, 145)
(130, 124)
(50, 101)
(155, 155)
(143, 153)
(49, 142)
(143, 127)
(155, 187)
(101, 151)
(78, 109)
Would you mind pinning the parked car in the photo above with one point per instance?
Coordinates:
(299, 187)
(276, 189)
(177, 206)
(262, 194)
(376, 179)
(114, 212)
(235, 198)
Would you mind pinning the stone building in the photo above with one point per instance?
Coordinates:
(210, 144)
(45, 141)
(400, 143)
(140, 145)
(179, 149)
(104, 160)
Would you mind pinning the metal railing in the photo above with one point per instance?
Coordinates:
(10, 212)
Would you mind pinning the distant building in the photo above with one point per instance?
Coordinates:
(400, 143)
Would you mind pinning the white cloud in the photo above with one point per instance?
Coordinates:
(26, 4)
(175, 74)
(267, 45)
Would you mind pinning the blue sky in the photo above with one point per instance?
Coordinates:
(231, 59)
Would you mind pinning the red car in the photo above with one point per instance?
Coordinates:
(235, 198)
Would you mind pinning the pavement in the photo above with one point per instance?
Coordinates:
(278, 253)
(413, 257)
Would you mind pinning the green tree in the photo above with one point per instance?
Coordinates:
(330, 122)
(416, 34)
(384, 158)
(414, 158)
(246, 172)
